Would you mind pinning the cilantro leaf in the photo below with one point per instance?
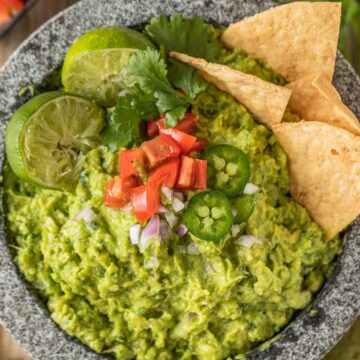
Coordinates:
(173, 115)
(144, 105)
(147, 70)
(186, 77)
(190, 36)
(123, 129)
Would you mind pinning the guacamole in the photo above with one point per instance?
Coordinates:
(221, 299)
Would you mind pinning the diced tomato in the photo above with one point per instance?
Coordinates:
(152, 128)
(187, 123)
(145, 201)
(192, 174)
(200, 175)
(166, 174)
(160, 149)
(118, 191)
(131, 161)
(186, 172)
(199, 146)
(184, 140)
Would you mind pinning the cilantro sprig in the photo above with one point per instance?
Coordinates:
(154, 78)
(148, 70)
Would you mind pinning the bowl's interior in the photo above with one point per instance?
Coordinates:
(313, 332)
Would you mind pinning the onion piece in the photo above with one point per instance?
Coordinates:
(208, 268)
(192, 249)
(151, 232)
(235, 229)
(122, 93)
(86, 214)
(250, 189)
(234, 212)
(163, 209)
(168, 193)
(177, 204)
(182, 230)
(165, 230)
(171, 219)
(135, 231)
(182, 249)
(179, 195)
(248, 240)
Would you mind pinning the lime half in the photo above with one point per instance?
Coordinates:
(48, 137)
(93, 64)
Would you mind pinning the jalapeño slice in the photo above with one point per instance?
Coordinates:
(244, 205)
(228, 169)
(209, 216)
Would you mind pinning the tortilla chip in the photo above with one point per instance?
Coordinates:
(324, 165)
(315, 98)
(295, 39)
(265, 100)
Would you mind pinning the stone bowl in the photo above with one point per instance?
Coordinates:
(312, 333)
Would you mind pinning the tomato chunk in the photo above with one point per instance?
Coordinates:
(186, 173)
(152, 128)
(145, 201)
(188, 123)
(199, 146)
(118, 191)
(160, 149)
(166, 174)
(184, 140)
(200, 175)
(130, 162)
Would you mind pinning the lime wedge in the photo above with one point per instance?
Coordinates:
(48, 137)
(93, 64)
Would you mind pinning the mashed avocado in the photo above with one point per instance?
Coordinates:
(220, 302)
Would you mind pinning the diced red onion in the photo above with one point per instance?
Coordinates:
(208, 268)
(192, 249)
(235, 229)
(165, 230)
(151, 232)
(182, 249)
(122, 93)
(234, 212)
(248, 240)
(163, 209)
(153, 262)
(177, 204)
(135, 231)
(179, 195)
(250, 189)
(168, 193)
(86, 214)
(171, 219)
(182, 230)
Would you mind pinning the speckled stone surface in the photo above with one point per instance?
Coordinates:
(23, 314)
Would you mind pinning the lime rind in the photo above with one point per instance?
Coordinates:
(101, 80)
(47, 146)
(97, 44)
